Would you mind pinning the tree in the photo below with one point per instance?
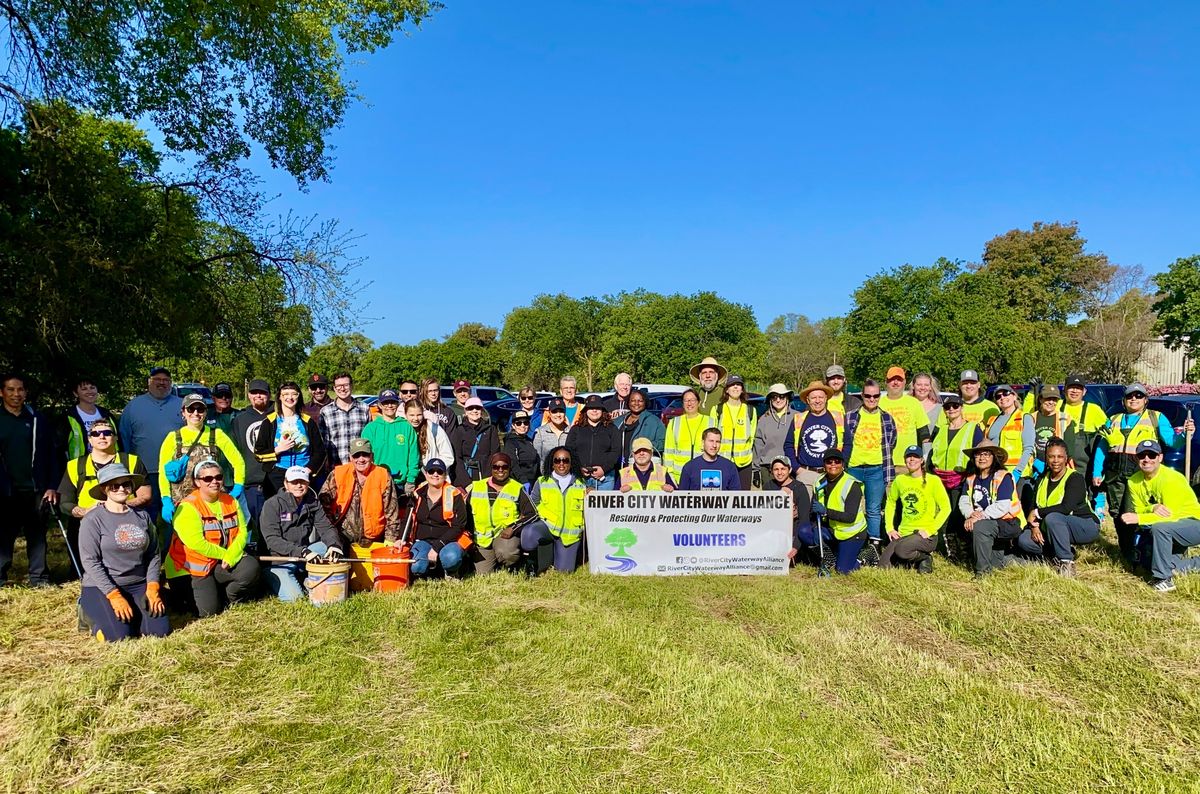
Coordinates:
(1177, 306)
(621, 537)
(1110, 343)
(340, 353)
(211, 76)
(555, 335)
(799, 351)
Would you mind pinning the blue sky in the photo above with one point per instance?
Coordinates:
(776, 152)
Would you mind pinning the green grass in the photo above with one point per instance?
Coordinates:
(879, 682)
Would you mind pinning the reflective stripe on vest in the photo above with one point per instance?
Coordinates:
(678, 450)
(950, 456)
(836, 500)
(656, 481)
(737, 432)
(490, 514)
(1010, 439)
(1059, 429)
(993, 488)
(1124, 442)
(218, 530)
(562, 510)
(1041, 499)
(447, 498)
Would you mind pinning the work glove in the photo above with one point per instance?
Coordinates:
(154, 602)
(236, 490)
(334, 554)
(819, 508)
(168, 509)
(1038, 467)
(120, 606)
(311, 556)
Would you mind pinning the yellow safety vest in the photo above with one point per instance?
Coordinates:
(493, 515)
(82, 471)
(839, 426)
(950, 455)
(683, 441)
(836, 500)
(1124, 442)
(737, 432)
(658, 478)
(1043, 499)
(562, 510)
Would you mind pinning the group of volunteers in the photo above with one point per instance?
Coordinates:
(194, 506)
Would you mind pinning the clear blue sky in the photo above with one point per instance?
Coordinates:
(776, 152)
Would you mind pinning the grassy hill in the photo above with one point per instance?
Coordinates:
(883, 681)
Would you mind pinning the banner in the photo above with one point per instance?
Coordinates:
(654, 533)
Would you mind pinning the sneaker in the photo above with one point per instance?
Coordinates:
(925, 565)
(869, 556)
(1163, 585)
(1066, 568)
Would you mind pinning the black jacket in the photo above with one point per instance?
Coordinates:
(245, 434)
(598, 445)
(524, 457)
(474, 446)
(289, 527)
(47, 467)
(264, 444)
(432, 526)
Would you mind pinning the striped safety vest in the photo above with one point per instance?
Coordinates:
(493, 515)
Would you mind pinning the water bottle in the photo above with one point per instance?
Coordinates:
(1101, 506)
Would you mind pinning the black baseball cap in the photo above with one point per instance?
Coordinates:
(1075, 380)
(258, 384)
(317, 379)
(222, 389)
(159, 371)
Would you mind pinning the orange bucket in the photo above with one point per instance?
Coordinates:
(391, 577)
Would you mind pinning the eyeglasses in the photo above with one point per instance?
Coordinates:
(527, 399)
(358, 455)
(408, 391)
(499, 467)
(100, 433)
(520, 422)
(195, 409)
(211, 478)
(1145, 455)
(119, 486)
(562, 460)
(875, 396)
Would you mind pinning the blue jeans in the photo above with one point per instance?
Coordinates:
(1061, 532)
(847, 552)
(283, 578)
(1166, 535)
(100, 613)
(566, 558)
(450, 557)
(874, 487)
(606, 483)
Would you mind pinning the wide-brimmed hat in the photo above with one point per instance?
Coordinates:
(816, 385)
(111, 473)
(779, 388)
(708, 361)
(999, 454)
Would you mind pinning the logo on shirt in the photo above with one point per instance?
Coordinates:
(710, 479)
(130, 537)
(910, 504)
(817, 439)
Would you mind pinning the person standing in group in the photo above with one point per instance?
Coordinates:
(506, 520)
(395, 443)
(361, 501)
(738, 423)
(927, 391)
(1049, 422)
(408, 392)
(342, 420)
(839, 401)
(637, 423)
(1115, 460)
(814, 431)
(527, 398)
(617, 404)
(771, 434)
(208, 545)
(641, 474)
(553, 431)
(924, 509)
(568, 388)
(709, 471)
(146, 421)
(462, 394)
(475, 441)
(437, 411)
(1089, 418)
(442, 520)
(245, 435)
(595, 446)
(432, 440)
(120, 558)
(976, 407)
(318, 393)
(949, 461)
(286, 438)
(222, 413)
(912, 423)
(519, 447)
(75, 424)
(183, 448)
(1162, 501)
(1061, 516)
(839, 504)
(990, 506)
(295, 525)
(709, 376)
(29, 470)
(1011, 430)
(559, 496)
(683, 438)
(870, 443)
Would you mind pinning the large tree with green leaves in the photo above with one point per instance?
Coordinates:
(799, 350)
(1177, 306)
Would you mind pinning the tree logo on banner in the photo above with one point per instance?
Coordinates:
(620, 538)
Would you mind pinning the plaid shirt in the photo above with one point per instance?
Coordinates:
(888, 426)
(339, 428)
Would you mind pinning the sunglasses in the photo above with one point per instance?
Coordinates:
(526, 399)
(1135, 396)
(875, 396)
(211, 478)
(1145, 455)
(195, 409)
(474, 408)
(119, 486)
(358, 455)
(562, 460)
(100, 433)
(408, 391)
(520, 422)
(435, 472)
(642, 452)
(953, 406)
(499, 467)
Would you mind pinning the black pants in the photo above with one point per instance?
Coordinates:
(20, 513)
(239, 583)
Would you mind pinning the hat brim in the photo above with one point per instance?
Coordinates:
(98, 493)
(999, 454)
(828, 392)
(722, 372)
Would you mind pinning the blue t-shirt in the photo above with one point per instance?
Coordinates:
(709, 475)
(299, 455)
(817, 436)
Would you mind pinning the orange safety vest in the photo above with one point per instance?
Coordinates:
(1010, 439)
(219, 530)
(993, 489)
(371, 501)
(656, 481)
(448, 491)
(1059, 429)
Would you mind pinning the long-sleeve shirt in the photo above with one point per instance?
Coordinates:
(852, 506)
(190, 530)
(145, 422)
(432, 525)
(547, 438)
(339, 427)
(1027, 440)
(289, 526)
(773, 431)
(1167, 487)
(351, 523)
(979, 496)
(395, 446)
(718, 474)
(189, 436)
(438, 444)
(1074, 495)
(1166, 434)
(118, 549)
(924, 504)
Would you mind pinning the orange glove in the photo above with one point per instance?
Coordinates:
(120, 606)
(154, 602)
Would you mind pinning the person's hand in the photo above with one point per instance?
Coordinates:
(226, 566)
(1189, 426)
(1162, 510)
(78, 512)
(50, 496)
(168, 509)
(597, 473)
(1035, 533)
(507, 532)
(978, 515)
(1097, 481)
(819, 508)
(626, 488)
(1034, 516)
(923, 534)
(154, 602)
(409, 488)
(893, 534)
(120, 606)
(335, 554)
(1129, 518)
(668, 488)
(310, 557)
(285, 443)
(969, 524)
(791, 553)
(432, 556)
(236, 490)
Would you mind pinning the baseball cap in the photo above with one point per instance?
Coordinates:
(641, 443)
(295, 473)
(389, 396)
(462, 384)
(781, 459)
(833, 453)
(914, 452)
(735, 380)
(557, 406)
(952, 399)
(317, 379)
(1135, 388)
(258, 384)
(1003, 388)
(159, 371)
(519, 415)
(1049, 391)
(1149, 445)
(193, 399)
(435, 464)
(968, 376)
(222, 389)
(361, 445)
(895, 372)
(1075, 380)
(834, 370)
(474, 402)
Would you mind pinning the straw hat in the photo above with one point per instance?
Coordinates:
(999, 454)
(816, 385)
(708, 361)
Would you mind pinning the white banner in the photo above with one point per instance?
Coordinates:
(653, 533)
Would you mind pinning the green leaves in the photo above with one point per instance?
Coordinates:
(1178, 307)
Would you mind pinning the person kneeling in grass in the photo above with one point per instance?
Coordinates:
(924, 511)
(442, 518)
(1062, 515)
(839, 499)
(1162, 500)
(294, 524)
(120, 557)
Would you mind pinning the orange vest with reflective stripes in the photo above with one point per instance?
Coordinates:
(656, 481)
(219, 530)
(448, 491)
(378, 480)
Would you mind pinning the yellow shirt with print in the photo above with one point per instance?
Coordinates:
(909, 416)
(868, 440)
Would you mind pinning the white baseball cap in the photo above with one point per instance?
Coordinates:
(295, 473)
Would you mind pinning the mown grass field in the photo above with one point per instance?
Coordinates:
(883, 681)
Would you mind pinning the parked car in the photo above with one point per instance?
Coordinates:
(501, 411)
(1175, 408)
(674, 407)
(485, 393)
(366, 399)
(184, 389)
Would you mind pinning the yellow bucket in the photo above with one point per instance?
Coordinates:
(326, 583)
(362, 574)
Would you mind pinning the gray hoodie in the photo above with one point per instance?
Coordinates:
(771, 433)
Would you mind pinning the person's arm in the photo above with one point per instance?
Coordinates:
(125, 429)
(317, 451)
(233, 455)
(687, 478)
(730, 479)
(1004, 504)
(1101, 450)
(323, 426)
(1027, 442)
(657, 434)
(264, 442)
(166, 453)
(271, 527)
(941, 500)
(325, 528)
(572, 444)
(411, 467)
(237, 546)
(89, 554)
(441, 442)
(189, 530)
(391, 515)
(1139, 503)
(609, 459)
(669, 479)
(68, 494)
(966, 505)
(1168, 435)
(789, 447)
(144, 494)
(152, 556)
(328, 499)
(889, 509)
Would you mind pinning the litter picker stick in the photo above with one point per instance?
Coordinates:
(1187, 453)
(70, 552)
(374, 560)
